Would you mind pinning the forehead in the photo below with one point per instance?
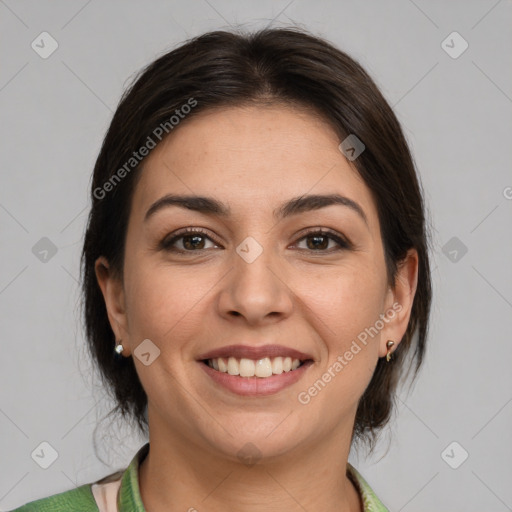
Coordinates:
(249, 157)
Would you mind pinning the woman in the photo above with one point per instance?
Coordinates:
(255, 272)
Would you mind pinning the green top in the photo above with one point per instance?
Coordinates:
(129, 500)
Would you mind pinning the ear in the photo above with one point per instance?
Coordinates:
(113, 294)
(399, 301)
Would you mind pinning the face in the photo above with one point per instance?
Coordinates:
(254, 275)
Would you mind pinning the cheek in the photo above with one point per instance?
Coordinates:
(346, 302)
(343, 307)
(340, 308)
(160, 298)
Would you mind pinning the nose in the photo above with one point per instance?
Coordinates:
(256, 290)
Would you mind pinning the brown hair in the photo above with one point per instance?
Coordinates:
(222, 69)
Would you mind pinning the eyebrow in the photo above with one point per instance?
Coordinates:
(210, 206)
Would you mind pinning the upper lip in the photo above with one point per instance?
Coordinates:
(256, 353)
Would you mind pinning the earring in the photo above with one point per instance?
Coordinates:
(389, 344)
(119, 348)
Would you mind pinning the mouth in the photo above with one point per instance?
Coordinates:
(260, 368)
(255, 371)
(255, 378)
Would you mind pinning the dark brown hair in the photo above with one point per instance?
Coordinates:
(222, 69)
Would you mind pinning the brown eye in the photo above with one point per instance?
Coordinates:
(190, 240)
(318, 241)
(193, 241)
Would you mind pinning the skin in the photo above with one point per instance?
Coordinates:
(252, 159)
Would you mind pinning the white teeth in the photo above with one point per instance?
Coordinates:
(223, 366)
(277, 365)
(249, 368)
(246, 368)
(233, 368)
(263, 367)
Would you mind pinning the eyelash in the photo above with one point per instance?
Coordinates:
(166, 244)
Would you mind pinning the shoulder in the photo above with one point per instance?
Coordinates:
(79, 499)
(371, 502)
(103, 493)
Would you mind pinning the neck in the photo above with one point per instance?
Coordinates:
(177, 475)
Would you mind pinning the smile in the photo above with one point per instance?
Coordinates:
(261, 368)
(251, 384)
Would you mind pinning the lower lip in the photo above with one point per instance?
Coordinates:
(256, 386)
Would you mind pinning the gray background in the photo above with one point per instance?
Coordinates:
(456, 114)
